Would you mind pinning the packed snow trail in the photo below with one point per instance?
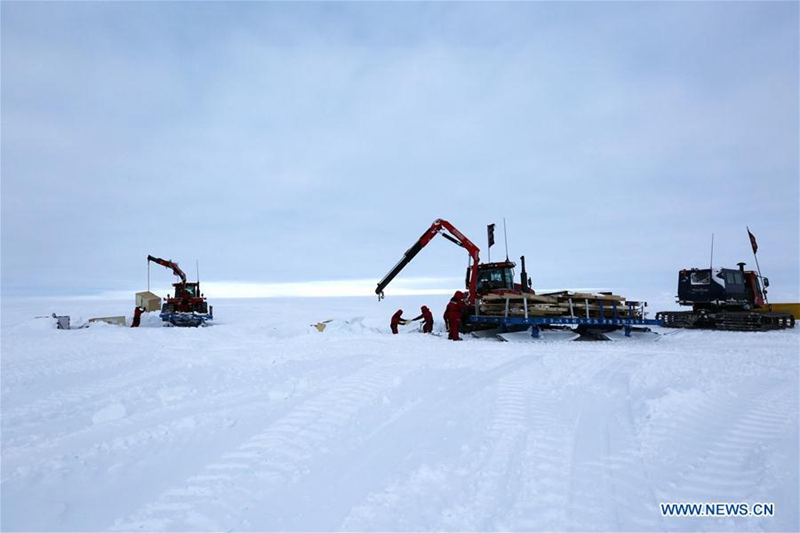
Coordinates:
(262, 423)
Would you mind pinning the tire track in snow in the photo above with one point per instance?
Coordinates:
(609, 487)
(53, 405)
(541, 502)
(236, 489)
(35, 371)
(495, 476)
(161, 423)
(730, 466)
(415, 502)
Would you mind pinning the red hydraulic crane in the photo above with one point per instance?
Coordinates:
(449, 232)
(171, 265)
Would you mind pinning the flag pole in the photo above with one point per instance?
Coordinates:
(711, 262)
(505, 236)
(490, 239)
(754, 246)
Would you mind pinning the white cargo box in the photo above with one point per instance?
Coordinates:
(148, 300)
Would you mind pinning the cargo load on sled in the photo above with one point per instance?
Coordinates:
(500, 307)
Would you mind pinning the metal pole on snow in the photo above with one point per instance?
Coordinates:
(711, 263)
(505, 236)
(754, 246)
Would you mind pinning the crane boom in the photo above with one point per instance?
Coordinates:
(171, 265)
(454, 236)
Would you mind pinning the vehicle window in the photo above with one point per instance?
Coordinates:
(498, 278)
(701, 277)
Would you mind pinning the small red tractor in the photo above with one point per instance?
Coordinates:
(188, 307)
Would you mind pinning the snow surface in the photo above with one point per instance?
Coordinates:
(260, 422)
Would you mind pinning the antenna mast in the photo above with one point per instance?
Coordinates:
(505, 236)
(711, 265)
(755, 256)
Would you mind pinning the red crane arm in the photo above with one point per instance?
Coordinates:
(442, 227)
(171, 265)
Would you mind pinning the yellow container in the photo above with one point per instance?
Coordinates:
(784, 308)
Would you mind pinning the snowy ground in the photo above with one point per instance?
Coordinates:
(262, 423)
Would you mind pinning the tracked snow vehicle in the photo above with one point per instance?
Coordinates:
(514, 311)
(188, 307)
(726, 299)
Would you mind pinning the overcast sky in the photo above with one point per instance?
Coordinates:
(311, 142)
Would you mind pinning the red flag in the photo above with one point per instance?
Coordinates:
(753, 242)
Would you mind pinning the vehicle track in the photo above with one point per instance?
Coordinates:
(161, 422)
(544, 467)
(83, 398)
(31, 372)
(609, 487)
(236, 489)
(730, 465)
(478, 458)
(495, 475)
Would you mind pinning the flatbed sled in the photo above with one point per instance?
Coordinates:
(542, 327)
(564, 315)
(496, 305)
(186, 319)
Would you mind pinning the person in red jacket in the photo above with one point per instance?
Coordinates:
(453, 313)
(397, 318)
(427, 317)
(137, 316)
(184, 305)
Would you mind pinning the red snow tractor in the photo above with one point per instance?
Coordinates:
(495, 301)
(188, 307)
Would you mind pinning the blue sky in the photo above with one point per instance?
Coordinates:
(294, 142)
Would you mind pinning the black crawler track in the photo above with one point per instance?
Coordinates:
(728, 321)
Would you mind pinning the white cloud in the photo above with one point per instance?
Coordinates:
(277, 142)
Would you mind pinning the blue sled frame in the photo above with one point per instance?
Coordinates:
(187, 320)
(536, 322)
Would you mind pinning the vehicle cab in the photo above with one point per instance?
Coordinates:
(494, 277)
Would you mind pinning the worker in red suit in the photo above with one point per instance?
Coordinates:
(397, 319)
(137, 316)
(185, 301)
(427, 319)
(453, 314)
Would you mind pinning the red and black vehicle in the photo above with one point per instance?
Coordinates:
(188, 306)
(724, 298)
